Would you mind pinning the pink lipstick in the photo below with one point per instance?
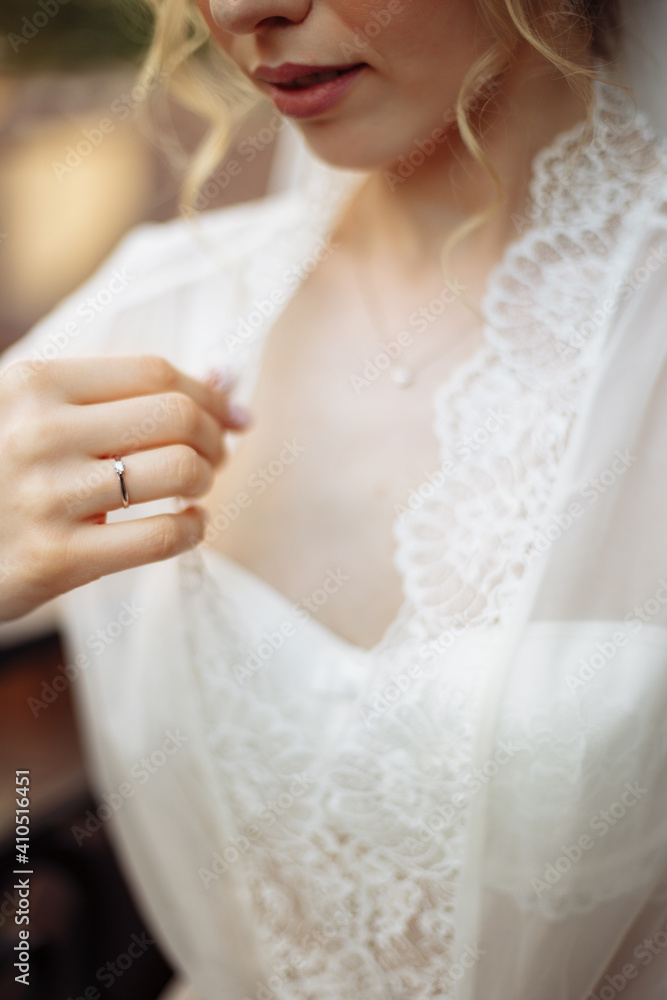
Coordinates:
(300, 91)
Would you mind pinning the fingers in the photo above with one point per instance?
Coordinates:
(132, 425)
(100, 549)
(58, 422)
(177, 470)
(85, 381)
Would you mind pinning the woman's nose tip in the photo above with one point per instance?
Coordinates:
(240, 17)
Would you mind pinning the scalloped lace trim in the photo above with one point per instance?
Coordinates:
(352, 863)
(506, 419)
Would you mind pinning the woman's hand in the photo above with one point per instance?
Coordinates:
(61, 425)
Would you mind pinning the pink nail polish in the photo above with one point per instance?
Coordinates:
(239, 415)
(222, 380)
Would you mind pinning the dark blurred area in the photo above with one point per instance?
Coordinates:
(71, 35)
(82, 917)
(78, 168)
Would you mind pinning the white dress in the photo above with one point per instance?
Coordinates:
(476, 808)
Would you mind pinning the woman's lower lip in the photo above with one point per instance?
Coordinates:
(313, 100)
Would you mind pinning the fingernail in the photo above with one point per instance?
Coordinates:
(239, 415)
(221, 380)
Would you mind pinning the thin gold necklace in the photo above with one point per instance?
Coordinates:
(403, 374)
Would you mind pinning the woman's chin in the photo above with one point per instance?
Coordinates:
(346, 151)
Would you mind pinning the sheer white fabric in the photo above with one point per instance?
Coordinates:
(476, 808)
(643, 39)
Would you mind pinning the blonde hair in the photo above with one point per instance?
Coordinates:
(199, 76)
(202, 77)
(549, 27)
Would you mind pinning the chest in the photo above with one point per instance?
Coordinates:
(336, 447)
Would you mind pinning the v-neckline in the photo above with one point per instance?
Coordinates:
(284, 602)
(321, 209)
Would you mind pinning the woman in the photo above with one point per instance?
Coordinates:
(334, 769)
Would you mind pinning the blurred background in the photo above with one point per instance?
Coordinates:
(69, 189)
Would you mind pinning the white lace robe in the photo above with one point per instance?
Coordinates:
(477, 808)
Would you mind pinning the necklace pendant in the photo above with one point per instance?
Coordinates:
(401, 376)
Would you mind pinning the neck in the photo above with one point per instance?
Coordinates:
(406, 217)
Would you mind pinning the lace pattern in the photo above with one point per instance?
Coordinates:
(463, 555)
(353, 864)
(366, 862)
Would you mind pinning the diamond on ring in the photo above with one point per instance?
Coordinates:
(119, 467)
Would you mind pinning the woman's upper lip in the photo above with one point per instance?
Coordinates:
(287, 72)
